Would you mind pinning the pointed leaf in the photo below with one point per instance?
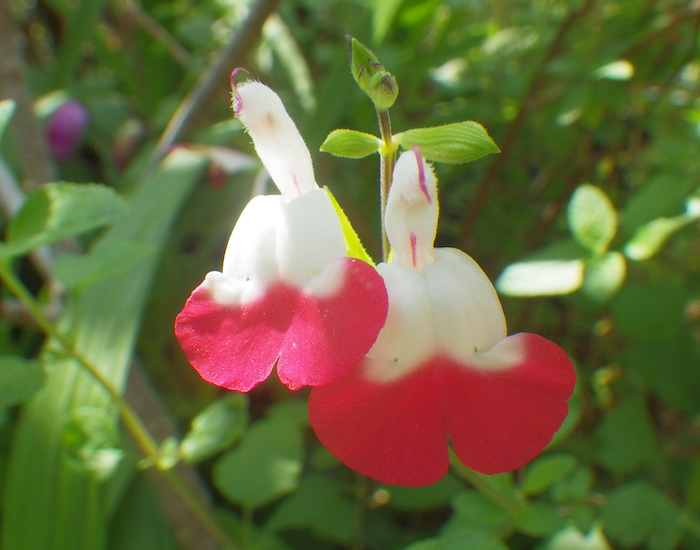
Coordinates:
(58, 211)
(355, 249)
(455, 143)
(351, 144)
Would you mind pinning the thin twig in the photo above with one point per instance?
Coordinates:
(238, 47)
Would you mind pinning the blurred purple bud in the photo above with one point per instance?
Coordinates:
(66, 128)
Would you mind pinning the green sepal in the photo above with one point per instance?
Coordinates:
(352, 241)
(351, 144)
(454, 143)
(370, 75)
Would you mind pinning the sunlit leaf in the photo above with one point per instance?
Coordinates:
(603, 276)
(455, 143)
(350, 144)
(592, 218)
(546, 471)
(355, 249)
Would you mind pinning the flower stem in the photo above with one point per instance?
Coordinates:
(509, 504)
(130, 419)
(388, 158)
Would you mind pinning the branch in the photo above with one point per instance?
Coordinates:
(238, 47)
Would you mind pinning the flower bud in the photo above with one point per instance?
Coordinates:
(66, 129)
(379, 84)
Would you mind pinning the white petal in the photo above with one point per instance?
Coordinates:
(468, 313)
(310, 237)
(408, 336)
(277, 140)
(412, 211)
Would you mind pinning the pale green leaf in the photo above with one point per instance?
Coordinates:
(455, 143)
(592, 218)
(603, 276)
(649, 238)
(355, 249)
(570, 538)
(556, 269)
(350, 144)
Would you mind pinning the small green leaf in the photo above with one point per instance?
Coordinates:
(575, 487)
(546, 471)
(556, 269)
(592, 218)
(19, 380)
(617, 70)
(455, 143)
(476, 509)
(540, 519)
(58, 211)
(265, 466)
(351, 144)
(217, 427)
(431, 496)
(603, 276)
(639, 513)
(7, 109)
(570, 538)
(355, 249)
(371, 76)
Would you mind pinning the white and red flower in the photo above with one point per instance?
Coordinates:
(286, 295)
(443, 367)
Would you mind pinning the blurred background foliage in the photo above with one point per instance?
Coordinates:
(587, 221)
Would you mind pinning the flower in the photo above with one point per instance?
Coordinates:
(66, 128)
(442, 366)
(286, 294)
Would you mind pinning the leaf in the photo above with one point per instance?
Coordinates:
(431, 496)
(58, 211)
(539, 519)
(649, 311)
(351, 144)
(7, 109)
(592, 218)
(217, 427)
(454, 143)
(617, 70)
(265, 466)
(321, 505)
(637, 513)
(355, 249)
(626, 437)
(475, 509)
(603, 276)
(570, 538)
(556, 269)
(20, 379)
(546, 471)
(575, 487)
(41, 487)
(649, 238)
(78, 271)
(382, 17)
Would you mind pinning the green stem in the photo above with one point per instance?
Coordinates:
(510, 505)
(388, 158)
(131, 421)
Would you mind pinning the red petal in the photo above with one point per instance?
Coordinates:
(396, 432)
(316, 340)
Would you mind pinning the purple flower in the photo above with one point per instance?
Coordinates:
(66, 128)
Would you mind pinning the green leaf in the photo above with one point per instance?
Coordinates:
(382, 17)
(603, 276)
(461, 534)
(355, 249)
(639, 513)
(216, 428)
(431, 496)
(455, 143)
(265, 466)
(41, 487)
(58, 211)
(546, 471)
(20, 379)
(556, 269)
(592, 218)
(78, 271)
(476, 509)
(617, 70)
(626, 437)
(321, 505)
(539, 519)
(7, 109)
(575, 487)
(650, 311)
(351, 144)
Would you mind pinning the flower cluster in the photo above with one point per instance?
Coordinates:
(404, 357)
